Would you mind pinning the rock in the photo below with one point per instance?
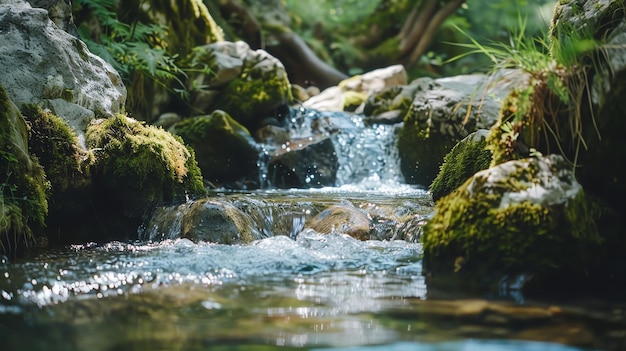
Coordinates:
(45, 65)
(299, 93)
(204, 220)
(465, 159)
(167, 120)
(343, 219)
(393, 101)
(272, 135)
(376, 81)
(443, 112)
(599, 27)
(304, 164)
(351, 93)
(225, 150)
(521, 218)
(67, 168)
(138, 167)
(60, 12)
(248, 84)
(330, 99)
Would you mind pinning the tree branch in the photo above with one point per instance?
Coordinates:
(431, 29)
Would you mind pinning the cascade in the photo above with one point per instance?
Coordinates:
(367, 154)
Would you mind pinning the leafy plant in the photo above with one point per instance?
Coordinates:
(137, 51)
(546, 115)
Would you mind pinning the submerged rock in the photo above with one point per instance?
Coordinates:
(342, 219)
(528, 217)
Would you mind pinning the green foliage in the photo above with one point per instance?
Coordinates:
(334, 14)
(139, 166)
(23, 186)
(136, 50)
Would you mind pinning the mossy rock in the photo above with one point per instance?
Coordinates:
(248, 84)
(23, 188)
(421, 153)
(443, 112)
(67, 166)
(463, 161)
(139, 166)
(522, 218)
(390, 99)
(56, 146)
(261, 88)
(225, 150)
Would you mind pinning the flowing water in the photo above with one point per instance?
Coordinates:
(295, 290)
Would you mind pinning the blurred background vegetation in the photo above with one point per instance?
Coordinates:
(339, 29)
(148, 42)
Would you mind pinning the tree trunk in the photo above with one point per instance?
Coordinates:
(421, 27)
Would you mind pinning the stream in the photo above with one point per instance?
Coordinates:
(297, 289)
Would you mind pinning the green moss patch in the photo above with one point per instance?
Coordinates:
(139, 166)
(463, 161)
(56, 146)
(485, 230)
(254, 93)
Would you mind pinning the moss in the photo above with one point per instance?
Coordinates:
(254, 93)
(472, 237)
(226, 151)
(353, 99)
(139, 166)
(464, 160)
(393, 98)
(23, 188)
(56, 146)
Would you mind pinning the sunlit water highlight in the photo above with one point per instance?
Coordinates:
(314, 292)
(297, 290)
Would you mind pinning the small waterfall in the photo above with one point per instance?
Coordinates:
(367, 154)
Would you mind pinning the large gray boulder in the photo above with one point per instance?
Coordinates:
(44, 65)
(443, 112)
